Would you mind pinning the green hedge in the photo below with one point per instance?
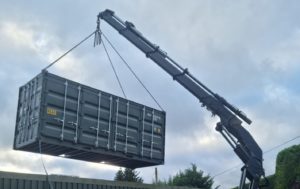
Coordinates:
(288, 167)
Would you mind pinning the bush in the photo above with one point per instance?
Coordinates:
(288, 167)
(191, 177)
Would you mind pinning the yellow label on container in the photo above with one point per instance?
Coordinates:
(51, 111)
(158, 130)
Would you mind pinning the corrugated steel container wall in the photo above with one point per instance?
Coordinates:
(34, 181)
(79, 122)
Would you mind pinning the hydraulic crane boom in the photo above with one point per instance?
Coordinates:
(230, 125)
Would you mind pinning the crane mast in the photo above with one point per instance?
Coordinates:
(231, 118)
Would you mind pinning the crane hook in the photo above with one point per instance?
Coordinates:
(97, 39)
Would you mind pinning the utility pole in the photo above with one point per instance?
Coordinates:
(156, 176)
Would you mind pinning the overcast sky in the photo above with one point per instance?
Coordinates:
(246, 51)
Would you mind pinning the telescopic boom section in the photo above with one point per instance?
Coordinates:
(230, 125)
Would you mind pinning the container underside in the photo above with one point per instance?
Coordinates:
(89, 155)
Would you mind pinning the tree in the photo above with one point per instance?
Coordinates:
(129, 175)
(119, 175)
(191, 177)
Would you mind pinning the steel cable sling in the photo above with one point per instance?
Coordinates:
(74, 47)
(98, 40)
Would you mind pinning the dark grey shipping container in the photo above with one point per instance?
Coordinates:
(75, 121)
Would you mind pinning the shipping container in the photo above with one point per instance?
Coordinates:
(10, 180)
(60, 117)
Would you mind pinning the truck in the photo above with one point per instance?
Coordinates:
(231, 118)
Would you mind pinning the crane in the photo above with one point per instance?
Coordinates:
(231, 118)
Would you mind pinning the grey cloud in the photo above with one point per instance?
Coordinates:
(231, 47)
